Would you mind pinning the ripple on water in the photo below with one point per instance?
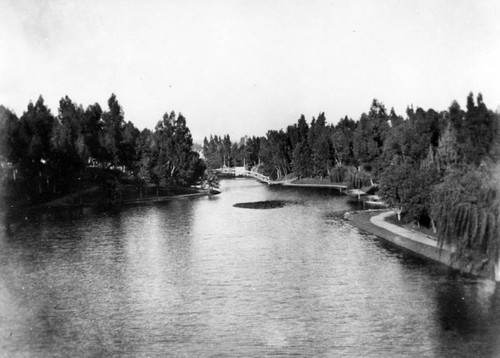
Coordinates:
(201, 277)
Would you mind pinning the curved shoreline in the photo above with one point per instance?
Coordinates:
(14, 219)
(418, 244)
(71, 201)
(159, 199)
(62, 202)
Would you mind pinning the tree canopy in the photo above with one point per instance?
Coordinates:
(438, 168)
(43, 154)
(432, 166)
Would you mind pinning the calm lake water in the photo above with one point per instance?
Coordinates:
(199, 277)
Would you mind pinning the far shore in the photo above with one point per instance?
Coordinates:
(14, 216)
(75, 200)
(95, 197)
(158, 199)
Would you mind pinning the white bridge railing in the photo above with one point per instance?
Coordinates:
(241, 171)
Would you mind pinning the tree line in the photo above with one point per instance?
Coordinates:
(315, 149)
(438, 169)
(220, 151)
(43, 155)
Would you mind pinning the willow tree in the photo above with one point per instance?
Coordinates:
(466, 210)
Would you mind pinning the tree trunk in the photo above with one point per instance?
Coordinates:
(497, 270)
(433, 224)
(398, 213)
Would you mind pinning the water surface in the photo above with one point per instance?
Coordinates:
(199, 277)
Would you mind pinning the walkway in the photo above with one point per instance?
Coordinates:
(380, 221)
(415, 242)
(241, 171)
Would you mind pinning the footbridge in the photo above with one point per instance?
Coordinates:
(241, 171)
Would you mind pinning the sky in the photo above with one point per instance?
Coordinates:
(244, 67)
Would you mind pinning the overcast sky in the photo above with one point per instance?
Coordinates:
(243, 67)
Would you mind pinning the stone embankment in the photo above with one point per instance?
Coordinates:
(417, 243)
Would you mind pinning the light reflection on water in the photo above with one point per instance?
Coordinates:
(200, 277)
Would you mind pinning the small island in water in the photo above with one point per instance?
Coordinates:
(436, 169)
(267, 204)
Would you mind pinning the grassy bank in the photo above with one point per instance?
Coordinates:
(98, 196)
(412, 226)
(101, 197)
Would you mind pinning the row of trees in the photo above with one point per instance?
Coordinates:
(219, 151)
(438, 169)
(455, 187)
(369, 144)
(309, 150)
(44, 154)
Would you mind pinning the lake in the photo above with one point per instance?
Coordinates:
(200, 277)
